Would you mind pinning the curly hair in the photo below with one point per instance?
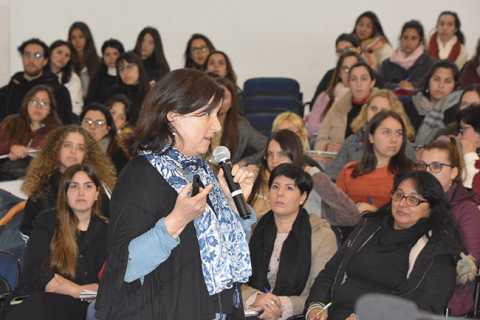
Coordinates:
(46, 163)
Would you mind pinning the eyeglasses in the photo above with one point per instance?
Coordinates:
(197, 50)
(411, 200)
(462, 129)
(98, 123)
(128, 67)
(36, 55)
(435, 167)
(345, 69)
(270, 155)
(42, 104)
(342, 51)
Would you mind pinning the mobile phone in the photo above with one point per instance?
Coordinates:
(196, 185)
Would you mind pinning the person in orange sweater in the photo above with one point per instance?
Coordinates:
(368, 182)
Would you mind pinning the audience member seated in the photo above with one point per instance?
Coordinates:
(293, 122)
(65, 254)
(339, 86)
(352, 148)
(61, 149)
(407, 248)
(132, 81)
(20, 133)
(336, 124)
(98, 121)
(469, 137)
(35, 56)
(150, 49)
(443, 159)
(471, 72)
(85, 58)
(409, 62)
(289, 247)
(244, 142)
(370, 180)
(107, 72)
(120, 108)
(344, 43)
(470, 96)
(60, 63)
(198, 49)
(219, 63)
(448, 41)
(375, 45)
(433, 106)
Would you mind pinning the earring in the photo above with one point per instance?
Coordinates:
(173, 132)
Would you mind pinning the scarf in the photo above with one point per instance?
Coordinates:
(104, 143)
(340, 90)
(371, 50)
(433, 115)
(360, 137)
(222, 240)
(400, 57)
(438, 51)
(295, 258)
(112, 71)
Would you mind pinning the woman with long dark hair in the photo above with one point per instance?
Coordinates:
(132, 81)
(66, 252)
(84, 56)
(375, 45)
(448, 41)
(60, 63)
(371, 179)
(198, 49)
(150, 49)
(471, 73)
(107, 72)
(408, 248)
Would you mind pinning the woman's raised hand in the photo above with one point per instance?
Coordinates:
(186, 209)
(244, 178)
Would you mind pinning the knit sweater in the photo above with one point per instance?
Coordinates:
(377, 184)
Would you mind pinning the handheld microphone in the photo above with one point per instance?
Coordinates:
(222, 157)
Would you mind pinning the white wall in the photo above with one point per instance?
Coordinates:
(262, 37)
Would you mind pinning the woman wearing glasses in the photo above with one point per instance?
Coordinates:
(132, 81)
(26, 130)
(98, 121)
(443, 159)
(407, 248)
(198, 49)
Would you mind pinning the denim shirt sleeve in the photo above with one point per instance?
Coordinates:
(148, 251)
(247, 224)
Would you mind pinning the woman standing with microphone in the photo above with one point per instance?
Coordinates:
(171, 255)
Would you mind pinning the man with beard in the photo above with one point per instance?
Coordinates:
(35, 55)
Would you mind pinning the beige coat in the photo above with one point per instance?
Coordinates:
(324, 246)
(334, 124)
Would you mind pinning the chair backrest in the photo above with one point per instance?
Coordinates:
(262, 121)
(272, 85)
(338, 235)
(10, 268)
(256, 103)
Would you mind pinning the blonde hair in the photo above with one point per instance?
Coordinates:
(297, 122)
(397, 107)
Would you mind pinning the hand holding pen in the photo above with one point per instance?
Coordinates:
(319, 314)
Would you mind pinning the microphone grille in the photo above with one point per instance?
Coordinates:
(221, 154)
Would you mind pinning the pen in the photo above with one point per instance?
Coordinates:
(370, 200)
(325, 308)
(408, 79)
(29, 143)
(329, 138)
(266, 290)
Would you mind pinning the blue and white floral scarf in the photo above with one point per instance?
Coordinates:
(223, 245)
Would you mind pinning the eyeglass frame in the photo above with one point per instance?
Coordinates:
(36, 55)
(89, 122)
(127, 67)
(420, 201)
(429, 166)
(197, 50)
(270, 155)
(36, 102)
(462, 129)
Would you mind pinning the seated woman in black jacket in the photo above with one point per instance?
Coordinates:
(61, 149)
(107, 72)
(408, 248)
(98, 121)
(66, 252)
(149, 47)
(132, 81)
(408, 63)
